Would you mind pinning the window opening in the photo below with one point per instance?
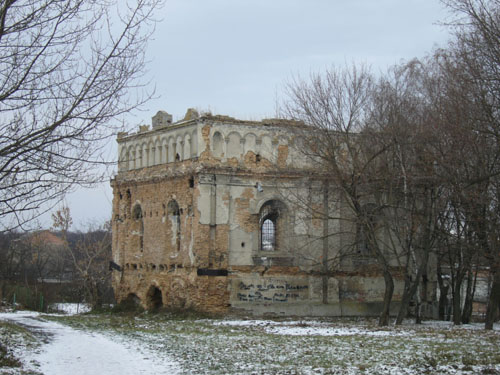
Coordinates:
(272, 225)
(366, 228)
(137, 214)
(174, 212)
(268, 235)
(138, 225)
(363, 247)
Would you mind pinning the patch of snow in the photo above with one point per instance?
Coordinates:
(71, 308)
(446, 324)
(311, 328)
(321, 331)
(77, 352)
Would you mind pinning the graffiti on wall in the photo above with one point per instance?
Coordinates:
(271, 291)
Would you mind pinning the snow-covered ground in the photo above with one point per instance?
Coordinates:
(168, 344)
(319, 328)
(71, 351)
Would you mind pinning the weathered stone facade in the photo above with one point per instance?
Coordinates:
(207, 215)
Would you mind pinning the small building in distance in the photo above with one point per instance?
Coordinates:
(221, 215)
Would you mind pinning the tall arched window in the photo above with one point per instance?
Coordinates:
(138, 226)
(366, 233)
(268, 235)
(174, 215)
(272, 226)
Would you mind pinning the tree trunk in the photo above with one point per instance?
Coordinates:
(96, 302)
(443, 294)
(457, 309)
(405, 301)
(408, 295)
(469, 296)
(389, 290)
(418, 312)
(493, 302)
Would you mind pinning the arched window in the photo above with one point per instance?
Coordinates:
(268, 235)
(137, 212)
(366, 229)
(173, 208)
(174, 215)
(138, 226)
(272, 226)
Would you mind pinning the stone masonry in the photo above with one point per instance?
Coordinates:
(207, 215)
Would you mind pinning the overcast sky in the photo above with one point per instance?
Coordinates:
(233, 56)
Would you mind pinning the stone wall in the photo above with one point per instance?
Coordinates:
(165, 247)
(187, 230)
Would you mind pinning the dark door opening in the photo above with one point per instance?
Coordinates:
(155, 300)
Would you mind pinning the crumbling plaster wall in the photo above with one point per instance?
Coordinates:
(233, 169)
(170, 256)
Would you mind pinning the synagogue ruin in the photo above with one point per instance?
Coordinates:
(207, 215)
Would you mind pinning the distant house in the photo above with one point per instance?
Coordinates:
(42, 252)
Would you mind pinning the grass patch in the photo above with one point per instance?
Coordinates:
(203, 345)
(13, 340)
(7, 359)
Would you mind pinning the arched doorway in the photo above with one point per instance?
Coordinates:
(131, 303)
(154, 298)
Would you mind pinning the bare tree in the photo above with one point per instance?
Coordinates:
(476, 82)
(68, 70)
(12, 259)
(89, 255)
(336, 106)
(402, 119)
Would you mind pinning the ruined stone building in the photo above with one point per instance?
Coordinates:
(207, 216)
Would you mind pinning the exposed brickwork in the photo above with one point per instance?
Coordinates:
(165, 261)
(189, 226)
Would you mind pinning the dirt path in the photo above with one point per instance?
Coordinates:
(69, 351)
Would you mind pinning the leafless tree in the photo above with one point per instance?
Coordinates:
(89, 255)
(12, 259)
(68, 70)
(475, 52)
(336, 107)
(402, 120)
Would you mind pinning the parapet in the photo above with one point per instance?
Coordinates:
(161, 118)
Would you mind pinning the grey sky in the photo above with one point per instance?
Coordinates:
(232, 56)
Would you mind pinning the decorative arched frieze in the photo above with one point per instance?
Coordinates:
(171, 149)
(233, 145)
(187, 146)
(250, 143)
(194, 143)
(217, 144)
